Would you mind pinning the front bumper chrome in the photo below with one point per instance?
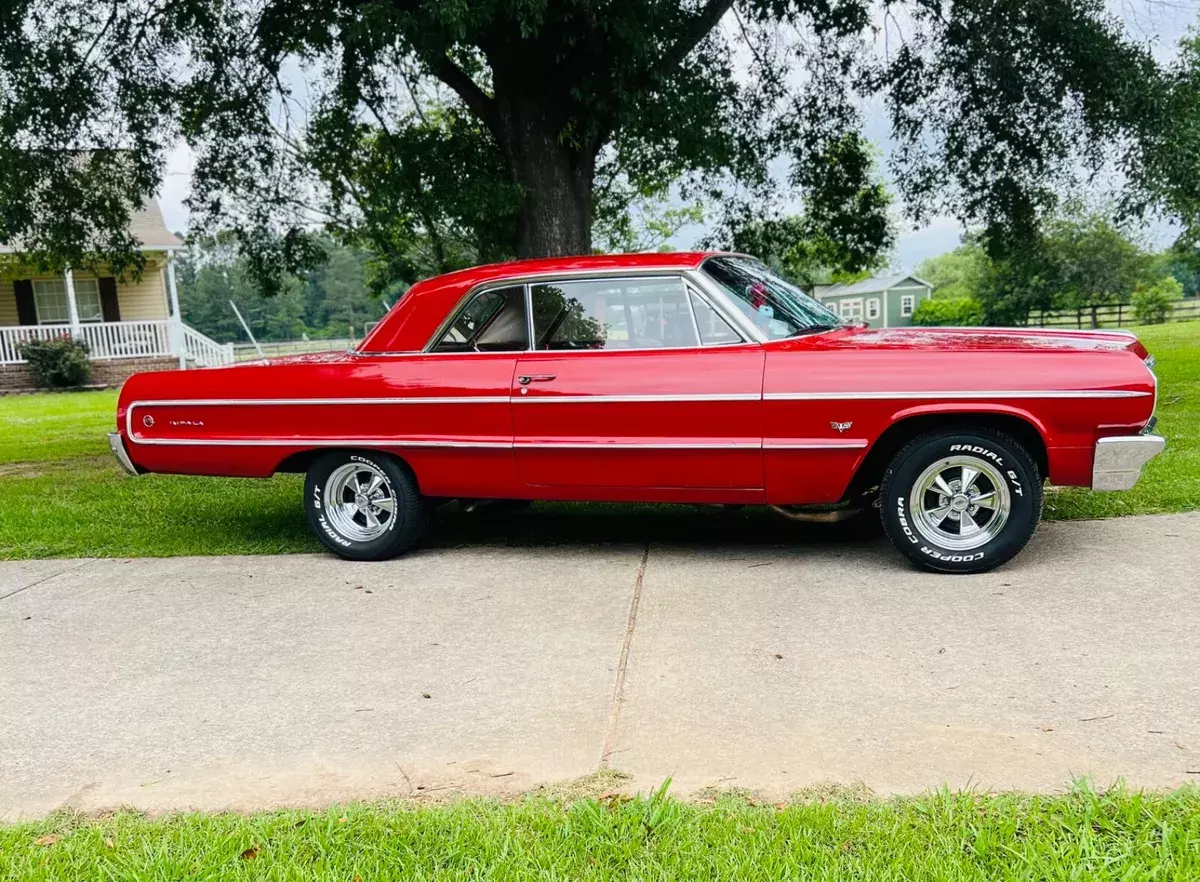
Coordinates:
(117, 444)
(1119, 460)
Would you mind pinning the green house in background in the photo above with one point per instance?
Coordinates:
(882, 302)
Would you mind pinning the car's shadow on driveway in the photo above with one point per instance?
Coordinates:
(550, 524)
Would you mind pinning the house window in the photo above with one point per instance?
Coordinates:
(906, 304)
(50, 298)
(851, 310)
(873, 308)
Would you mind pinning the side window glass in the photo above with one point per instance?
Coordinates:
(613, 314)
(714, 330)
(494, 321)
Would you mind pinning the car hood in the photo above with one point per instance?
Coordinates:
(994, 339)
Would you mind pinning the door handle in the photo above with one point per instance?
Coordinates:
(535, 378)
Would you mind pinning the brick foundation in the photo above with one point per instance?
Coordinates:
(105, 372)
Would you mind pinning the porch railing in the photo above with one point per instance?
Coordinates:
(107, 340)
(204, 350)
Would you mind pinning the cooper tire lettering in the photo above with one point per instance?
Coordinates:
(1005, 465)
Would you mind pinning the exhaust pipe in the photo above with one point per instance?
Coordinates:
(829, 516)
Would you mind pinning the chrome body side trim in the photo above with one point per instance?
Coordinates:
(117, 445)
(637, 445)
(814, 443)
(485, 445)
(304, 402)
(1119, 460)
(276, 402)
(319, 442)
(632, 399)
(954, 395)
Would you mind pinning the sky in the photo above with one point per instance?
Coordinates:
(1162, 22)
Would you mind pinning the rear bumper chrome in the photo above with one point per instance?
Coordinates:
(1119, 460)
(117, 444)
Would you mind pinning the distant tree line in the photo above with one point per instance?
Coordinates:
(334, 300)
(1081, 261)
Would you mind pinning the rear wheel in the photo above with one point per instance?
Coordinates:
(363, 506)
(961, 501)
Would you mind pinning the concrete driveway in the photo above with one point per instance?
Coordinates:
(259, 681)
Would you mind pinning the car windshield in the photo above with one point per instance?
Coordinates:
(777, 307)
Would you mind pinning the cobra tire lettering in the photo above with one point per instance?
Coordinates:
(912, 537)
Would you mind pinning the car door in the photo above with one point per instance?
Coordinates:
(451, 417)
(622, 391)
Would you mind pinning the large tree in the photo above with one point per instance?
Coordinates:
(302, 111)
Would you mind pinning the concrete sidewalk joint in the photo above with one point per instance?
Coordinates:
(614, 715)
(48, 578)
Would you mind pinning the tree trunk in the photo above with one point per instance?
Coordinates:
(557, 175)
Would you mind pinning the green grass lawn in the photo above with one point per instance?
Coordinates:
(63, 495)
(1078, 836)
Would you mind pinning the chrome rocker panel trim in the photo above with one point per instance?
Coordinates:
(1119, 460)
(117, 445)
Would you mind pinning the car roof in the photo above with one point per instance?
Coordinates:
(538, 265)
(409, 323)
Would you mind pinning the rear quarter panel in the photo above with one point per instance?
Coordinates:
(244, 421)
(810, 389)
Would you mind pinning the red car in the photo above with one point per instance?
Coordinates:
(685, 377)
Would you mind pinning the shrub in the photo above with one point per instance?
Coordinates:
(59, 362)
(1153, 304)
(957, 311)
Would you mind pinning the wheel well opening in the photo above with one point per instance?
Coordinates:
(301, 462)
(870, 473)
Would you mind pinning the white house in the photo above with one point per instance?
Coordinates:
(129, 324)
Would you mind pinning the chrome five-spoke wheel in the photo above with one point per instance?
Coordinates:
(363, 504)
(960, 502)
(962, 499)
(359, 501)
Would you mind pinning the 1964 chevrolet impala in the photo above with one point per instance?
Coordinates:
(686, 377)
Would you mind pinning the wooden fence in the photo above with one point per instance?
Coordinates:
(1117, 316)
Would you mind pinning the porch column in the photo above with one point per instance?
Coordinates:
(176, 316)
(72, 306)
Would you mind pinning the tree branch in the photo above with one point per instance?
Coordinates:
(695, 31)
(458, 80)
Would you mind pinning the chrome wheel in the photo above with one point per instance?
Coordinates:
(960, 503)
(359, 501)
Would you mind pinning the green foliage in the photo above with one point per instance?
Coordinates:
(946, 836)
(58, 363)
(333, 300)
(948, 312)
(442, 132)
(1152, 304)
(845, 234)
(1080, 260)
(645, 223)
(1094, 263)
(958, 273)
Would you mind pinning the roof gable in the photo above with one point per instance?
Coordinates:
(146, 224)
(875, 285)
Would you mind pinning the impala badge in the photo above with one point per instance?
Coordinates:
(840, 427)
(148, 421)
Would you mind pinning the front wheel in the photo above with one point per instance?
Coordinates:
(961, 501)
(363, 505)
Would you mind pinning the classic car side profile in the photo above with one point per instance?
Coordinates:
(683, 377)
